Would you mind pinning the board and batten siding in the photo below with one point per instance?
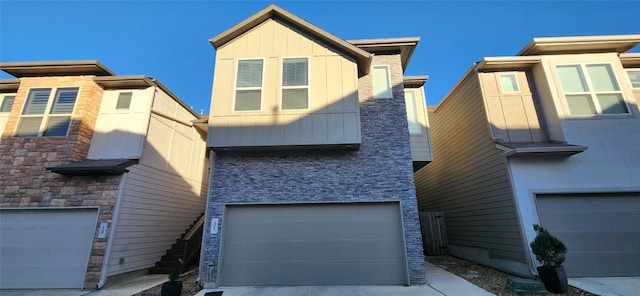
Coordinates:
(468, 180)
(420, 143)
(164, 193)
(333, 116)
(512, 116)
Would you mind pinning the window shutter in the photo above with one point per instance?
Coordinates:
(7, 104)
(37, 101)
(65, 100)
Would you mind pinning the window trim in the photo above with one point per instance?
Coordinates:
(515, 76)
(591, 90)
(629, 77)
(3, 97)
(47, 111)
(118, 100)
(282, 87)
(415, 110)
(389, 85)
(235, 85)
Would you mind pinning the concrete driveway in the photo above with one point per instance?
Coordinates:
(608, 286)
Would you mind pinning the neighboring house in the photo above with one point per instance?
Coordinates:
(552, 137)
(100, 174)
(311, 164)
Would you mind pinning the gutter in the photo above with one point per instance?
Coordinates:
(114, 222)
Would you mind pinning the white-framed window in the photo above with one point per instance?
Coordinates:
(7, 103)
(509, 83)
(47, 112)
(634, 77)
(248, 87)
(381, 82)
(295, 84)
(412, 111)
(124, 101)
(591, 89)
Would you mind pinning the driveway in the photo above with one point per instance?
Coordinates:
(608, 286)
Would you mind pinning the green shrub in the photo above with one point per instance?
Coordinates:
(548, 249)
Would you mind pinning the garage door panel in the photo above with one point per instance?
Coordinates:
(601, 231)
(313, 245)
(45, 248)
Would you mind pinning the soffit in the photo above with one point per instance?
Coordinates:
(414, 81)
(9, 85)
(55, 68)
(406, 46)
(580, 44)
(362, 57)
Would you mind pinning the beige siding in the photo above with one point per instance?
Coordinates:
(468, 178)
(120, 133)
(421, 143)
(333, 114)
(512, 116)
(4, 116)
(155, 209)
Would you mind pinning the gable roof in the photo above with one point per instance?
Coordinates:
(363, 58)
(580, 44)
(55, 68)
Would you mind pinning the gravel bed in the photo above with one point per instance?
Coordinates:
(484, 277)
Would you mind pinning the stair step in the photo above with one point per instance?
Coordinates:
(165, 264)
(158, 270)
(170, 258)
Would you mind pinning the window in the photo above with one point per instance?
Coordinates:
(124, 101)
(591, 89)
(634, 76)
(47, 115)
(509, 83)
(295, 83)
(248, 85)
(381, 82)
(412, 111)
(7, 103)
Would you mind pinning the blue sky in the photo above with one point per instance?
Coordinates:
(168, 40)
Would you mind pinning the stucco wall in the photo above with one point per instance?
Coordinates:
(380, 170)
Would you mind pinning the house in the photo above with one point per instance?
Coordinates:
(549, 136)
(311, 159)
(101, 173)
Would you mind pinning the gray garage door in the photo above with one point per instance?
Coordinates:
(321, 244)
(45, 248)
(601, 231)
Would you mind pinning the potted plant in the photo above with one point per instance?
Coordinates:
(550, 252)
(174, 286)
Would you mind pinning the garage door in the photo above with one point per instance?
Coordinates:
(45, 248)
(326, 244)
(601, 232)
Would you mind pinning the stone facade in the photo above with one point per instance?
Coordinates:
(25, 182)
(381, 170)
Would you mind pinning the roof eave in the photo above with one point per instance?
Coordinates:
(405, 45)
(9, 85)
(56, 68)
(580, 44)
(415, 81)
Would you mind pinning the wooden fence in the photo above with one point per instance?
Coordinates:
(434, 233)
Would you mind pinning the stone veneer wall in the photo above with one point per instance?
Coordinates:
(25, 183)
(380, 170)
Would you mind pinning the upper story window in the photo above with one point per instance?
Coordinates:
(248, 93)
(124, 101)
(7, 103)
(382, 82)
(591, 89)
(634, 76)
(47, 112)
(412, 111)
(295, 83)
(509, 83)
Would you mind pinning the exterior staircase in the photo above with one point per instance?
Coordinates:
(186, 247)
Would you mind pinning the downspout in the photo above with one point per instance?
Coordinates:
(114, 222)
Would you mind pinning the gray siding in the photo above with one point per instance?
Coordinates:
(156, 208)
(468, 178)
(381, 170)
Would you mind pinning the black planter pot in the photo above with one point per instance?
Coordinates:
(554, 279)
(171, 288)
